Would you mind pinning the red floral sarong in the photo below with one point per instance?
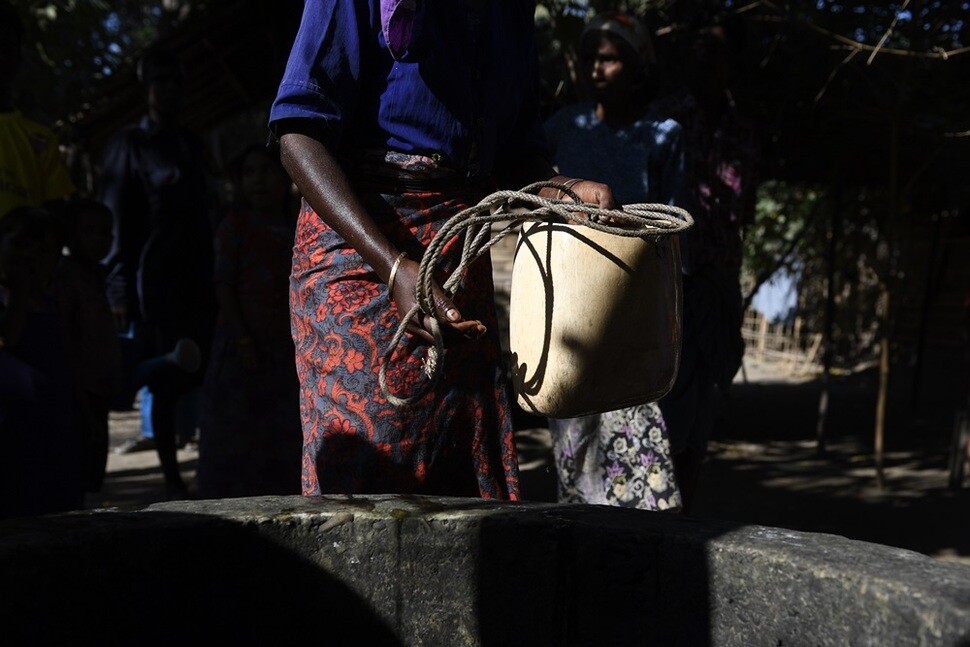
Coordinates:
(458, 439)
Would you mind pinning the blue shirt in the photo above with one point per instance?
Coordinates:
(642, 162)
(465, 93)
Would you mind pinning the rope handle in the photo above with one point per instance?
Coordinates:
(514, 208)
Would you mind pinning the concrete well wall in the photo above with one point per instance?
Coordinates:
(393, 570)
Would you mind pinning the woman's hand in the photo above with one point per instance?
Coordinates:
(325, 186)
(595, 193)
(453, 326)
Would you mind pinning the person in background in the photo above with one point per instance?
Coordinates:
(93, 341)
(720, 185)
(40, 461)
(32, 172)
(621, 457)
(249, 437)
(160, 266)
(392, 118)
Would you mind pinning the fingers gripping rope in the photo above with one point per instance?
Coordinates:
(514, 208)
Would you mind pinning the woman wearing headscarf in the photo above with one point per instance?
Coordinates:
(621, 457)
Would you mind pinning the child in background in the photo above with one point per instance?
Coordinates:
(95, 351)
(40, 462)
(250, 438)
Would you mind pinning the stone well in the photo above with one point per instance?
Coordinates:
(395, 570)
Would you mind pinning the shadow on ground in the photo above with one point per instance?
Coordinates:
(764, 466)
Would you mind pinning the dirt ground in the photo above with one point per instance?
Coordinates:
(763, 468)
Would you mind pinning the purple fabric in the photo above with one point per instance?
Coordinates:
(465, 92)
(397, 23)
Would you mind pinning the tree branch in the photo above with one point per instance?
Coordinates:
(882, 41)
(835, 71)
(936, 54)
(763, 277)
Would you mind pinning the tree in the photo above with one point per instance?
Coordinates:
(73, 46)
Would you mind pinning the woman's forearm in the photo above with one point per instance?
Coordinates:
(325, 187)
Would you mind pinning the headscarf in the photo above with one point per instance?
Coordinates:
(628, 29)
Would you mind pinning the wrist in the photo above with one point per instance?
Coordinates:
(382, 260)
(392, 275)
(568, 184)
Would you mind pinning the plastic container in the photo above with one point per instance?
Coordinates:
(594, 319)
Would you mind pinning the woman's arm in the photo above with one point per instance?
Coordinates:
(325, 187)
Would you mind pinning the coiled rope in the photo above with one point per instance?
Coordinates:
(513, 208)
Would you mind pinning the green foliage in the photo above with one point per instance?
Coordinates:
(72, 46)
(829, 82)
(784, 229)
(918, 26)
(870, 96)
(797, 227)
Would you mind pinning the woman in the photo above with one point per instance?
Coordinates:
(620, 457)
(393, 117)
(249, 438)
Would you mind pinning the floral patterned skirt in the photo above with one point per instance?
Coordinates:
(620, 458)
(457, 440)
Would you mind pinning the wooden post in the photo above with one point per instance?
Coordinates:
(883, 395)
(813, 351)
(762, 338)
(835, 221)
(929, 289)
(889, 236)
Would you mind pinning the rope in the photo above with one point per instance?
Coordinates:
(514, 207)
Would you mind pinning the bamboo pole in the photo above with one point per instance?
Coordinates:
(762, 338)
(928, 292)
(821, 419)
(882, 397)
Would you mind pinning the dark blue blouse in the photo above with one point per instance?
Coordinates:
(466, 92)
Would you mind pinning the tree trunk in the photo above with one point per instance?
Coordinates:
(883, 395)
(884, 344)
(835, 225)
